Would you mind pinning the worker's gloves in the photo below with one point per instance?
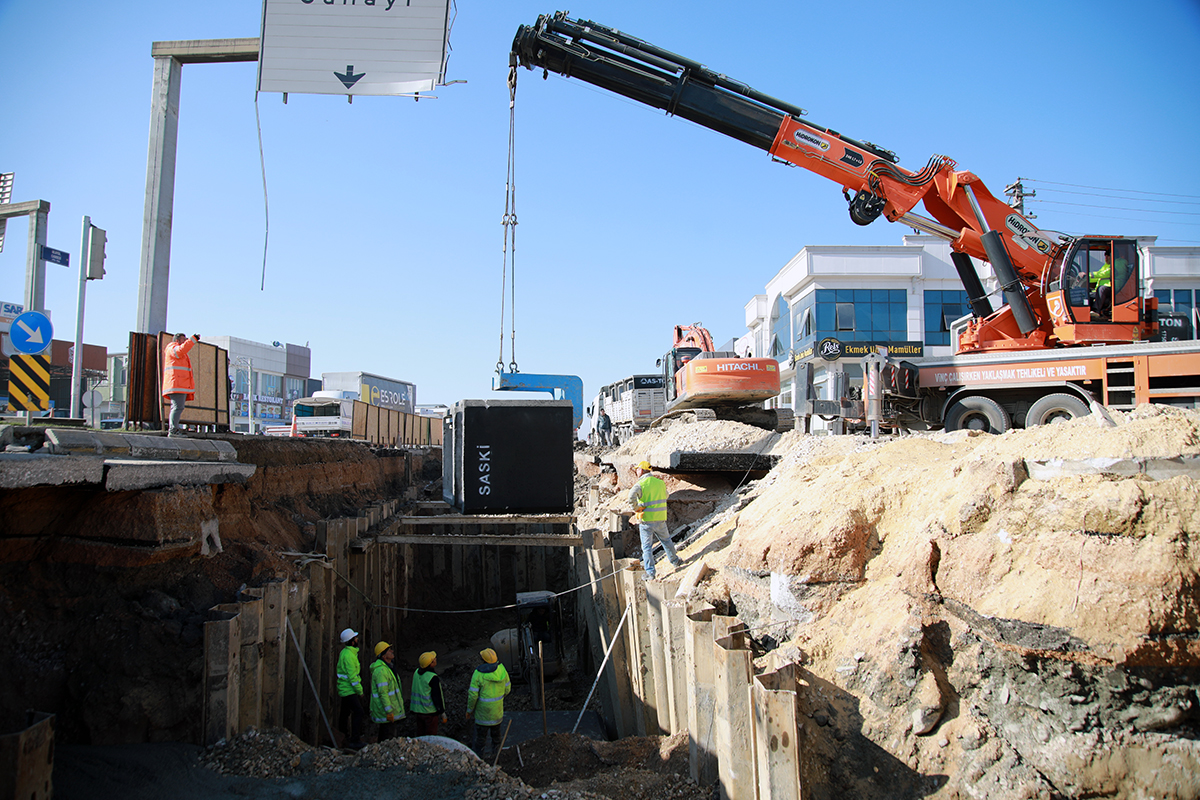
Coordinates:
(391, 717)
(445, 719)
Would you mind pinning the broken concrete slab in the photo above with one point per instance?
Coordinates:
(23, 470)
(695, 461)
(1156, 468)
(62, 441)
(128, 474)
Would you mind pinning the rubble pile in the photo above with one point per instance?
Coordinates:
(555, 767)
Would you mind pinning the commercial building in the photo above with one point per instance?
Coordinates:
(830, 305)
(265, 379)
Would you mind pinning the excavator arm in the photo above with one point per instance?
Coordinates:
(960, 208)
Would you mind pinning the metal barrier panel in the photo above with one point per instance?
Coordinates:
(776, 741)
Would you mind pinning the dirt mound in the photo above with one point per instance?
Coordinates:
(966, 628)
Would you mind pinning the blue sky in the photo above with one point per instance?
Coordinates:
(385, 249)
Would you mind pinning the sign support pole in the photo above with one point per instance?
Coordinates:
(77, 362)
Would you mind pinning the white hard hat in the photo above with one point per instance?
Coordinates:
(348, 634)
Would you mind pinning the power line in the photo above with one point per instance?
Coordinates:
(1106, 189)
(1122, 208)
(1133, 199)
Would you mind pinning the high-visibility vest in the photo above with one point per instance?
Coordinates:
(177, 370)
(486, 695)
(349, 677)
(653, 498)
(385, 693)
(421, 699)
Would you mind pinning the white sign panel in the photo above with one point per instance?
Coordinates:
(355, 47)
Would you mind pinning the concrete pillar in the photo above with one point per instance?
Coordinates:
(297, 684)
(701, 692)
(222, 674)
(160, 196)
(274, 661)
(734, 719)
(776, 744)
(250, 695)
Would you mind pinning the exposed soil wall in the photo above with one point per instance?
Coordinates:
(103, 595)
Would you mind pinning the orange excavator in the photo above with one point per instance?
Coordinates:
(717, 384)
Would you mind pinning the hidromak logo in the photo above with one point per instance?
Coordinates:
(804, 137)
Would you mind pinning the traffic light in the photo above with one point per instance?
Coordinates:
(97, 238)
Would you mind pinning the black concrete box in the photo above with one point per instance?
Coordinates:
(508, 457)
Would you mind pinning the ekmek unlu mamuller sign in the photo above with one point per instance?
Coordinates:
(355, 47)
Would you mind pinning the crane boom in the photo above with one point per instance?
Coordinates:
(1034, 268)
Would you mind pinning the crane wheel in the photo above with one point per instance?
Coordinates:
(977, 413)
(1053, 407)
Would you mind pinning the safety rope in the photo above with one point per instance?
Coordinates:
(509, 222)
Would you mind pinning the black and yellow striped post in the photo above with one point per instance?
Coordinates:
(29, 383)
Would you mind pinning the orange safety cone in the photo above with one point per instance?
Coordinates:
(294, 431)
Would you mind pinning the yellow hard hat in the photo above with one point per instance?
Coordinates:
(381, 647)
(644, 465)
(489, 655)
(426, 659)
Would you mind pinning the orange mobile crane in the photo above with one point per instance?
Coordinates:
(1060, 292)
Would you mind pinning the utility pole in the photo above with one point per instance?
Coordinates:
(91, 267)
(1016, 191)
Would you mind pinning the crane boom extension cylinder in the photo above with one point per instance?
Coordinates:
(1014, 293)
(976, 296)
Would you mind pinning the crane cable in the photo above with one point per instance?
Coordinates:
(509, 221)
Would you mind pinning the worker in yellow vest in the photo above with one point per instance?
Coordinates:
(649, 499)
(427, 702)
(350, 689)
(387, 704)
(485, 700)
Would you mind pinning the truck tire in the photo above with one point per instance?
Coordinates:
(977, 413)
(1053, 407)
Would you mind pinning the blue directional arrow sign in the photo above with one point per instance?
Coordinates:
(31, 332)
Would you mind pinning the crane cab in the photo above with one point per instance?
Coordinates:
(1092, 289)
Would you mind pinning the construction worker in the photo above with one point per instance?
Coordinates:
(178, 385)
(649, 499)
(426, 700)
(485, 700)
(604, 427)
(349, 688)
(387, 704)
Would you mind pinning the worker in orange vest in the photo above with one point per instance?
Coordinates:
(178, 384)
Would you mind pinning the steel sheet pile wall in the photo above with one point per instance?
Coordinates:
(256, 649)
(678, 666)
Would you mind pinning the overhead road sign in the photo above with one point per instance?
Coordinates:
(29, 383)
(31, 332)
(369, 47)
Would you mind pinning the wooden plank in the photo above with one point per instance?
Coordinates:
(548, 540)
(274, 615)
(487, 519)
(222, 675)
(297, 684)
(27, 759)
(250, 681)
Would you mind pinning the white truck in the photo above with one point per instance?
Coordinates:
(631, 403)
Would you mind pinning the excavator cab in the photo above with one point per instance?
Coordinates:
(671, 363)
(1093, 292)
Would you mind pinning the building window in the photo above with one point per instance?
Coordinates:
(942, 307)
(781, 328)
(845, 316)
